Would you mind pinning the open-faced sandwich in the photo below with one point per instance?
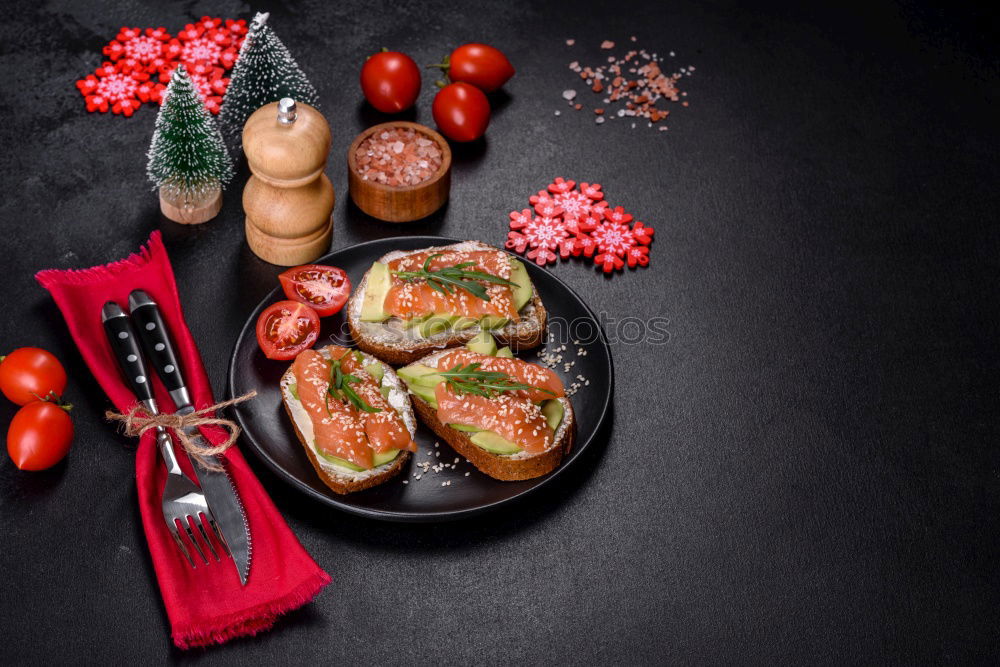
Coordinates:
(412, 302)
(508, 417)
(352, 415)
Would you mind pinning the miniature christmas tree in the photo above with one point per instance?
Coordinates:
(264, 72)
(188, 161)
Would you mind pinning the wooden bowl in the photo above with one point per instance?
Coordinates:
(402, 203)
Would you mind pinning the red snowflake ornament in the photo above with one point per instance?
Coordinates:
(520, 219)
(613, 238)
(540, 236)
(110, 88)
(637, 255)
(190, 32)
(561, 185)
(592, 191)
(642, 233)
(579, 223)
(583, 225)
(617, 215)
(547, 208)
(141, 62)
(574, 204)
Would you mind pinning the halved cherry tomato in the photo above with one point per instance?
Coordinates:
(483, 66)
(39, 435)
(30, 374)
(390, 81)
(286, 328)
(461, 112)
(324, 288)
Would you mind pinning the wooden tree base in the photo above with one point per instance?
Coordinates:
(192, 213)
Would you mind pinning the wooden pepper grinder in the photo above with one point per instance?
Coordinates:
(288, 200)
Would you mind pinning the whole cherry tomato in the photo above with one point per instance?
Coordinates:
(30, 374)
(461, 111)
(390, 81)
(39, 435)
(286, 328)
(324, 288)
(481, 65)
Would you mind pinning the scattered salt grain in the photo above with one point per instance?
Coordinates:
(569, 94)
(607, 44)
(570, 42)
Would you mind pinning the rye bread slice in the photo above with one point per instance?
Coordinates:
(341, 480)
(509, 467)
(390, 342)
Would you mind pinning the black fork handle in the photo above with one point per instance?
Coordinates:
(122, 337)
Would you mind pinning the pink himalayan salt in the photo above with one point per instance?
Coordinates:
(398, 157)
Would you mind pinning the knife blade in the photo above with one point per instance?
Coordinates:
(219, 490)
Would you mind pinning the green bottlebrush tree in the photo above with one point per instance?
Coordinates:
(264, 72)
(187, 157)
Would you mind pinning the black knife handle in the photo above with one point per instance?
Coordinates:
(155, 339)
(123, 341)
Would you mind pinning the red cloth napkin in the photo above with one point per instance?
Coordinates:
(208, 604)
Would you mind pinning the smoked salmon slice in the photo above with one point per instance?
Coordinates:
(515, 419)
(519, 371)
(409, 299)
(341, 429)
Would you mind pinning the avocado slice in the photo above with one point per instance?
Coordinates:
(492, 442)
(493, 322)
(505, 353)
(553, 411)
(418, 374)
(462, 323)
(379, 281)
(414, 321)
(385, 390)
(293, 389)
(483, 343)
(375, 370)
(337, 461)
(436, 324)
(426, 393)
(519, 276)
(465, 427)
(384, 457)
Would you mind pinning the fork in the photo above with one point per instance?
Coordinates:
(184, 503)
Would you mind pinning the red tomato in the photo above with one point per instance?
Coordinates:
(286, 328)
(390, 81)
(461, 112)
(324, 288)
(481, 65)
(29, 374)
(39, 436)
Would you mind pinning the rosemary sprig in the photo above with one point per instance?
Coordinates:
(340, 389)
(470, 380)
(447, 278)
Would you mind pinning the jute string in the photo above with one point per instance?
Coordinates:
(137, 421)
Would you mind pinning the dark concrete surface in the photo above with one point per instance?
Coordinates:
(806, 472)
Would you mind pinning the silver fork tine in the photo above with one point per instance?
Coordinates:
(200, 522)
(218, 536)
(186, 521)
(180, 544)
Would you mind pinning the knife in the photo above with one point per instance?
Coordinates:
(218, 488)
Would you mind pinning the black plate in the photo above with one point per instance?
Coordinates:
(266, 428)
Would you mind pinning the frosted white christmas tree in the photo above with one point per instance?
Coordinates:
(264, 72)
(188, 161)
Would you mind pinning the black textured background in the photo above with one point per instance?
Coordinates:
(806, 472)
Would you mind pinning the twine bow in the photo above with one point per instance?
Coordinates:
(137, 421)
